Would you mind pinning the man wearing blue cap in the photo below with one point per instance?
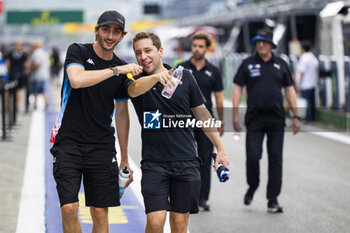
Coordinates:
(264, 76)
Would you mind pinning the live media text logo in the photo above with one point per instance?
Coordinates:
(155, 120)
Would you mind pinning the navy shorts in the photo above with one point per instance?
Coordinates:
(38, 87)
(172, 186)
(97, 167)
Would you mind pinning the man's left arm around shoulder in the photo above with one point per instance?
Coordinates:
(202, 114)
(122, 123)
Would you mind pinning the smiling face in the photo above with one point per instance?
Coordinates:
(148, 56)
(108, 36)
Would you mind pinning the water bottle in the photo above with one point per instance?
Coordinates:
(124, 175)
(222, 171)
(169, 90)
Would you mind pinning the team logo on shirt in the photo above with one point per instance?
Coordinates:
(277, 66)
(207, 72)
(151, 120)
(254, 70)
(90, 61)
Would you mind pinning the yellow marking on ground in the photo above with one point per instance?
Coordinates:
(116, 215)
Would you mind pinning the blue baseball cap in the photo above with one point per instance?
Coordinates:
(265, 35)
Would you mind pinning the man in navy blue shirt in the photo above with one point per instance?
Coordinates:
(209, 80)
(264, 76)
(170, 163)
(16, 61)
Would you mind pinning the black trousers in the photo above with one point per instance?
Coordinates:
(254, 145)
(205, 150)
(309, 95)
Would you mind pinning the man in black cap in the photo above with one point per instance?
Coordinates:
(264, 75)
(84, 143)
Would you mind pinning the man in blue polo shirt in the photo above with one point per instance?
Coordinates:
(170, 164)
(264, 76)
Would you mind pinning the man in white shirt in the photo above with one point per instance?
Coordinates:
(41, 72)
(308, 70)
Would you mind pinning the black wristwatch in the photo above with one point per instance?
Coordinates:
(298, 117)
(115, 70)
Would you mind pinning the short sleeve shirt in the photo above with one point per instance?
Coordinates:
(308, 65)
(86, 113)
(42, 73)
(17, 59)
(264, 82)
(168, 142)
(208, 78)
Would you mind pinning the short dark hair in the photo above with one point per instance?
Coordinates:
(306, 45)
(145, 35)
(200, 35)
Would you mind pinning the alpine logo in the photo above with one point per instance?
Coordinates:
(90, 61)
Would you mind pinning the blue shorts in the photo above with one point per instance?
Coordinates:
(172, 186)
(38, 87)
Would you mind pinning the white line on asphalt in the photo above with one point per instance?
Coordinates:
(32, 205)
(333, 136)
(343, 138)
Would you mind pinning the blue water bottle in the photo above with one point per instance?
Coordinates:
(222, 171)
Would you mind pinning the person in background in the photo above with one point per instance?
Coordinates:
(308, 71)
(209, 81)
(28, 71)
(3, 72)
(40, 73)
(170, 164)
(55, 65)
(264, 76)
(15, 61)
